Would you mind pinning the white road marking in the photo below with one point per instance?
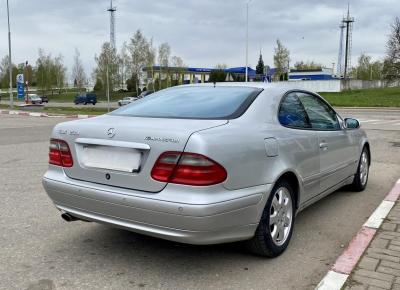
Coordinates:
(381, 212)
(385, 122)
(332, 281)
(368, 121)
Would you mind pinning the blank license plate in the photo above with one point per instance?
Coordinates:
(112, 158)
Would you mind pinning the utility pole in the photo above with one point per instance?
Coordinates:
(26, 82)
(370, 75)
(9, 57)
(348, 22)
(340, 56)
(247, 40)
(112, 11)
(108, 90)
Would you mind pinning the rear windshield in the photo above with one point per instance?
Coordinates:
(193, 103)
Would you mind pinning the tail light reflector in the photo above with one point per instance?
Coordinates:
(59, 153)
(188, 168)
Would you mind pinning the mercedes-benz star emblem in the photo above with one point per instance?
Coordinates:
(110, 132)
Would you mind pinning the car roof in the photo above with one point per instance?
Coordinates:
(276, 88)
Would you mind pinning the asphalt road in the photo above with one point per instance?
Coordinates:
(39, 250)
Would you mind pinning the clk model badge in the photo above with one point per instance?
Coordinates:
(162, 139)
(111, 132)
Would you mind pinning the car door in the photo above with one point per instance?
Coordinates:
(335, 143)
(300, 143)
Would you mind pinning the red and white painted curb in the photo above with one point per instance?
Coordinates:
(38, 114)
(344, 265)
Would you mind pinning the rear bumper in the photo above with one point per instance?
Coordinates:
(234, 218)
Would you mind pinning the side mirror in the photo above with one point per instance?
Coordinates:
(351, 123)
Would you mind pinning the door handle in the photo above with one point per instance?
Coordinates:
(323, 145)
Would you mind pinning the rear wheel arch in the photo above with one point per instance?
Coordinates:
(293, 180)
(366, 145)
(266, 240)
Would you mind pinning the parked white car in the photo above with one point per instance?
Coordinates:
(126, 101)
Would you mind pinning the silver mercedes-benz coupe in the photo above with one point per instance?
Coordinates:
(207, 164)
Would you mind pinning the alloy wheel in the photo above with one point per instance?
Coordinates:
(364, 168)
(281, 216)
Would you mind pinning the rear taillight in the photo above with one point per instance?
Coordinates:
(188, 168)
(59, 153)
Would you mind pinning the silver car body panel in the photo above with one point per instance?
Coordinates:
(255, 149)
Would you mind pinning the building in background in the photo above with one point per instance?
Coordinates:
(189, 75)
(322, 74)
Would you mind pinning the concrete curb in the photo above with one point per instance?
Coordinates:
(345, 263)
(38, 114)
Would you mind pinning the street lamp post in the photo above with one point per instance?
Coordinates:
(108, 89)
(9, 57)
(247, 40)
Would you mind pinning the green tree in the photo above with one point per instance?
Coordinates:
(124, 64)
(142, 54)
(98, 86)
(164, 52)
(107, 60)
(45, 71)
(366, 69)
(179, 68)
(60, 73)
(78, 72)
(391, 68)
(281, 61)
(5, 73)
(260, 68)
(132, 84)
(218, 74)
(309, 65)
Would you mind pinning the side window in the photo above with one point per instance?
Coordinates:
(320, 114)
(292, 114)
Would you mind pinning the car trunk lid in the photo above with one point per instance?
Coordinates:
(121, 151)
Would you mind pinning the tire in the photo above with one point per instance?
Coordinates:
(361, 178)
(264, 242)
(85, 103)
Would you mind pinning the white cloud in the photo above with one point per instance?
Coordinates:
(203, 32)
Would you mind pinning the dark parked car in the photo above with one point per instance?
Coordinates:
(34, 99)
(45, 99)
(86, 99)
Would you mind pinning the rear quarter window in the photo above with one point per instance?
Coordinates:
(193, 103)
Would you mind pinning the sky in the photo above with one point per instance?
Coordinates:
(203, 32)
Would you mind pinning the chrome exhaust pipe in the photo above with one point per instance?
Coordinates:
(67, 217)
